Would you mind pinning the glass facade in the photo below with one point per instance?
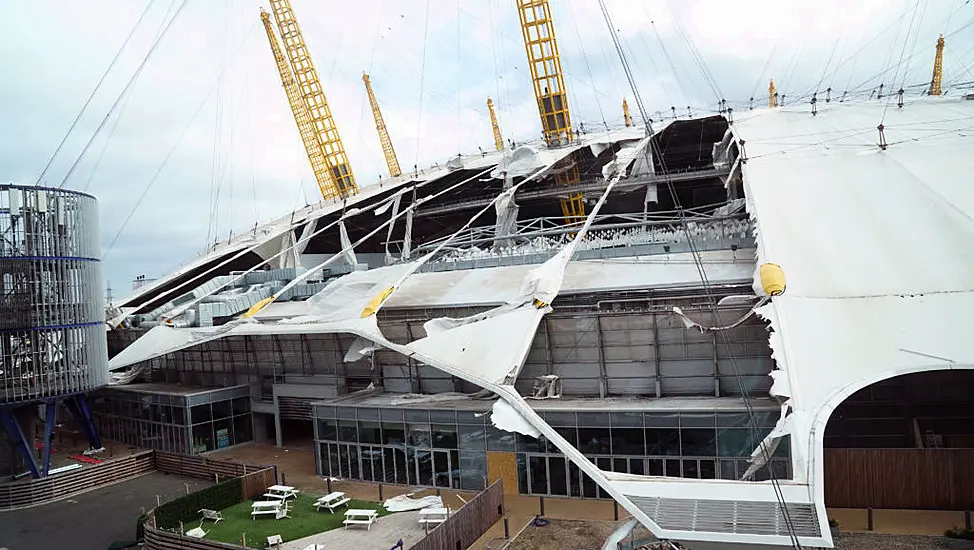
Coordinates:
(448, 448)
(191, 423)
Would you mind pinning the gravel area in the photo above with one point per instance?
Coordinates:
(562, 534)
(876, 541)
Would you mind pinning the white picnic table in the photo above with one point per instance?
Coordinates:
(433, 515)
(331, 501)
(276, 508)
(281, 492)
(360, 517)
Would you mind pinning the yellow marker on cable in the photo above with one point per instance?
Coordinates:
(376, 302)
(257, 307)
(772, 279)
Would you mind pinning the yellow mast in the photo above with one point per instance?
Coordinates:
(625, 112)
(544, 62)
(300, 112)
(938, 68)
(772, 100)
(341, 181)
(391, 161)
(498, 139)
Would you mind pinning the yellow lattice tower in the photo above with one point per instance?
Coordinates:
(498, 139)
(772, 92)
(544, 63)
(938, 68)
(341, 180)
(300, 112)
(625, 112)
(391, 161)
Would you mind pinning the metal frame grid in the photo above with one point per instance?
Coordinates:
(52, 335)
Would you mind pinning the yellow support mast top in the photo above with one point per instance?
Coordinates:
(380, 125)
(625, 112)
(938, 68)
(300, 112)
(341, 181)
(498, 139)
(544, 61)
(772, 92)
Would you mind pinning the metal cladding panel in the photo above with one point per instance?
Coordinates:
(52, 317)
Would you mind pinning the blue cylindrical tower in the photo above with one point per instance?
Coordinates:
(52, 313)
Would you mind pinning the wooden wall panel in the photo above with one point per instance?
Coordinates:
(503, 465)
(469, 523)
(923, 479)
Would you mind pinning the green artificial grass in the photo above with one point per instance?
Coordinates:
(304, 521)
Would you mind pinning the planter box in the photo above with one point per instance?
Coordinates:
(958, 544)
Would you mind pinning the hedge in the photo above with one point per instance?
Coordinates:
(187, 508)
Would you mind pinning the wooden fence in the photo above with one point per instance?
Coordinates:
(202, 467)
(31, 492)
(469, 523)
(157, 539)
(922, 479)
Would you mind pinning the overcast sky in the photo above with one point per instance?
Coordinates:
(204, 144)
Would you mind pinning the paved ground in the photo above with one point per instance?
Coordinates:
(382, 536)
(91, 521)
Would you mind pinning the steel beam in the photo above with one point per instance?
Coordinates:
(9, 421)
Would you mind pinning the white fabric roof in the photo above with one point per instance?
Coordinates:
(877, 247)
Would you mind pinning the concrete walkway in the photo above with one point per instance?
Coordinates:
(382, 536)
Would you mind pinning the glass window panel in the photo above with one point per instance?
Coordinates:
(627, 419)
(353, 461)
(697, 420)
(424, 463)
(328, 430)
(473, 470)
(628, 441)
(447, 417)
(655, 466)
(325, 412)
(690, 469)
(560, 418)
(734, 442)
(658, 420)
(445, 436)
(419, 436)
(473, 438)
(367, 413)
(708, 469)
(178, 415)
(242, 429)
(589, 488)
(417, 416)
(222, 409)
(441, 469)
(202, 438)
(528, 444)
(591, 420)
(733, 420)
(636, 466)
(371, 463)
(569, 434)
(346, 413)
(389, 463)
(574, 480)
(539, 474)
(499, 440)
(672, 468)
(620, 465)
(369, 432)
(557, 474)
(390, 414)
(470, 417)
(699, 442)
(728, 470)
(347, 431)
(393, 433)
(223, 431)
(200, 413)
(604, 463)
(662, 441)
(522, 473)
(593, 440)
